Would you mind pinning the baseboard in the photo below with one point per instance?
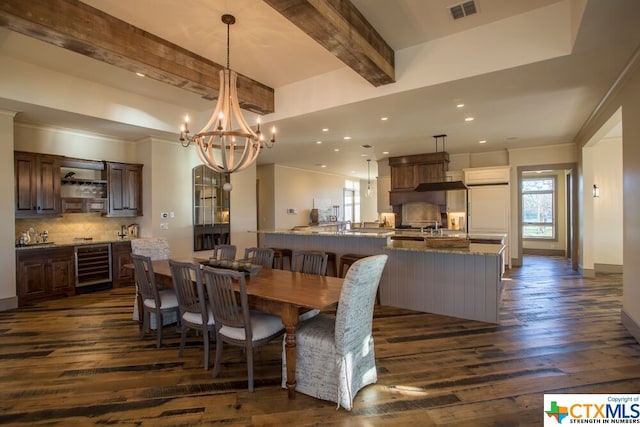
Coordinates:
(630, 325)
(607, 268)
(8, 303)
(543, 252)
(589, 273)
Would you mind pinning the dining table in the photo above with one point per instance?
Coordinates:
(280, 292)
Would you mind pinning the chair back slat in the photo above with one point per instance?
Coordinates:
(223, 301)
(224, 252)
(357, 298)
(259, 256)
(310, 262)
(145, 278)
(190, 296)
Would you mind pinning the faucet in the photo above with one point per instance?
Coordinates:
(123, 232)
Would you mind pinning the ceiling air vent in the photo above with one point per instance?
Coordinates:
(463, 9)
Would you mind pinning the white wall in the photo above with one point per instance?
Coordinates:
(602, 165)
(8, 298)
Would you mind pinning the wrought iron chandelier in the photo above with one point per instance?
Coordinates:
(227, 143)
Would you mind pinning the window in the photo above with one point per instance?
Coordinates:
(538, 208)
(351, 201)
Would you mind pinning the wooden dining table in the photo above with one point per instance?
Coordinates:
(279, 292)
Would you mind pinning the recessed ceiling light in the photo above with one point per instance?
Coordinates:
(364, 155)
(384, 119)
(325, 129)
(139, 74)
(385, 152)
(353, 171)
(318, 142)
(346, 138)
(323, 166)
(482, 141)
(460, 105)
(469, 119)
(336, 149)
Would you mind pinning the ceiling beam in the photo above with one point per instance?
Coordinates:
(76, 26)
(345, 32)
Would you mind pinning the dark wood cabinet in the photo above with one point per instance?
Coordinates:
(124, 183)
(43, 273)
(37, 180)
(409, 171)
(120, 256)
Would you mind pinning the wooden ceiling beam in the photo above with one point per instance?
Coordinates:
(76, 26)
(344, 31)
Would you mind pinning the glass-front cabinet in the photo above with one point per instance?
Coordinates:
(210, 209)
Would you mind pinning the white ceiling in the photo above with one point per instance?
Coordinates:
(531, 102)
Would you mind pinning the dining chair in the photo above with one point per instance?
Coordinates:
(156, 248)
(235, 324)
(224, 252)
(194, 311)
(154, 300)
(311, 262)
(334, 353)
(259, 256)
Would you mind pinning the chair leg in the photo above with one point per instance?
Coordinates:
(159, 329)
(205, 337)
(183, 339)
(145, 323)
(216, 365)
(249, 352)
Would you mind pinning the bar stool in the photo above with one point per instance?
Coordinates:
(279, 254)
(346, 260)
(331, 261)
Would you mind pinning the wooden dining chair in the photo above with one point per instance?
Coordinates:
(154, 301)
(235, 324)
(311, 262)
(224, 252)
(194, 311)
(334, 353)
(259, 256)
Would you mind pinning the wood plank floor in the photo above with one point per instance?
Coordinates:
(78, 361)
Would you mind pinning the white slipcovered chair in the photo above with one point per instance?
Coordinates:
(155, 248)
(334, 354)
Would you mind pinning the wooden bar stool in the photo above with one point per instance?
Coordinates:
(279, 254)
(332, 262)
(346, 260)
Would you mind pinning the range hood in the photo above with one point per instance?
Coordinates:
(440, 186)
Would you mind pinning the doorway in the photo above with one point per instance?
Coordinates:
(547, 201)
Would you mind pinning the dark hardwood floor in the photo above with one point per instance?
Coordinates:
(78, 361)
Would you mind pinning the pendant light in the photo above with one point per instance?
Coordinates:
(369, 192)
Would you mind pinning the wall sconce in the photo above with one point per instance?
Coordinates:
(596, 191)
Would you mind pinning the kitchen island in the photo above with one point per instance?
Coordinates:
(459, 282)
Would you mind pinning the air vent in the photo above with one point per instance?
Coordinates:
(463, 9)
(366, 146)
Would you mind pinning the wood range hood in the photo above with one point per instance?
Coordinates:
(421, 178)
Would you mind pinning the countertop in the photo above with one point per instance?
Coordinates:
(349, 233)
(388, 232)
(73, 242)
(473, 249)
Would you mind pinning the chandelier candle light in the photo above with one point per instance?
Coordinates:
(219, 145)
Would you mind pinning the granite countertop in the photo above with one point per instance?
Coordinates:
(473, 249)
(383, 233)
(72, 242)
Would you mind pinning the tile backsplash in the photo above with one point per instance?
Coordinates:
(72, 226)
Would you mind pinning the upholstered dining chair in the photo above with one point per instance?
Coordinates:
(334, 353)
(154, 300)
(194, 311)
(235, 324)
(311, 262)
(224, 252)
(259, 256)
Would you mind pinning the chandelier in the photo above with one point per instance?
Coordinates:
(227, 143)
